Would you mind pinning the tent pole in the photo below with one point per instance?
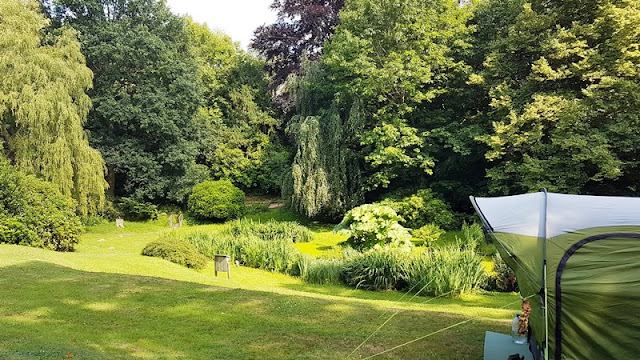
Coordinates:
(544, 277)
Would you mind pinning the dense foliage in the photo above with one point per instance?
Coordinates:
(495, 97)
(237, 137)
(177, 251)
(426, 235)
(324, 179)
(216, 200)
(43, 105)
(377, 269)
(132, 209)
(422, 208)
(35, 213)
(502, 277)
(407, 105)
(438, 272)
(372, 224)
(563, 84)
(448, 271)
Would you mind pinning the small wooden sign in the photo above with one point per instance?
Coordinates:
(222, 265)
(120, 223)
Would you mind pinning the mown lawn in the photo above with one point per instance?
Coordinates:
(106, 301)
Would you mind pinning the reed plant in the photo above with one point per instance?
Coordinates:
(324, 271)
(449, 270)
(270, 230)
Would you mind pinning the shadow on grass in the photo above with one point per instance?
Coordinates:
(48, 311)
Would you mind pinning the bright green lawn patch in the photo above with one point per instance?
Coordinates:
(106, 301)
(325, 244)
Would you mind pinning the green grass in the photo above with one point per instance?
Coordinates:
(106, 301)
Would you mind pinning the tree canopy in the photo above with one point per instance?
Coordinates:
(236, 125)
(383, 100)
(302, 28)
(563, 88)
(145, 91)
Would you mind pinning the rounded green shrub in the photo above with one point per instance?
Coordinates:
(177, 251)
(216, 200)
(35, 213)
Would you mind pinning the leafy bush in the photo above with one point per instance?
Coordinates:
(33, 212)
(216, 200)
(374, 224)
(448, 271)
(381, 268)
(427, 234)
(421, 209)
(92, 220)
(323, 271)
(271, 230)
(135, 210)
(177, 251)
(273, 255)
(502, 277)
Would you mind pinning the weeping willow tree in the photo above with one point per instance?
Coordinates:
(43, 105)
(325, 174)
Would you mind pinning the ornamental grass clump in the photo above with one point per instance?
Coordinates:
(324, 271)
(380, 268)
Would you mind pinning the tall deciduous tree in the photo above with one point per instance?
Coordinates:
(237, 132)
(43, 104)
(146, 91)
(395, 57)
(302, 28)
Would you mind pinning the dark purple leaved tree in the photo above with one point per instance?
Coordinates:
(302, 28)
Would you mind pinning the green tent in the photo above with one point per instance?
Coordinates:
(579, 255)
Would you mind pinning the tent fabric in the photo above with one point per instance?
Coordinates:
(524, 214)
(591, 244)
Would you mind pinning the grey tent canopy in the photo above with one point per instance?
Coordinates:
(579, 255)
